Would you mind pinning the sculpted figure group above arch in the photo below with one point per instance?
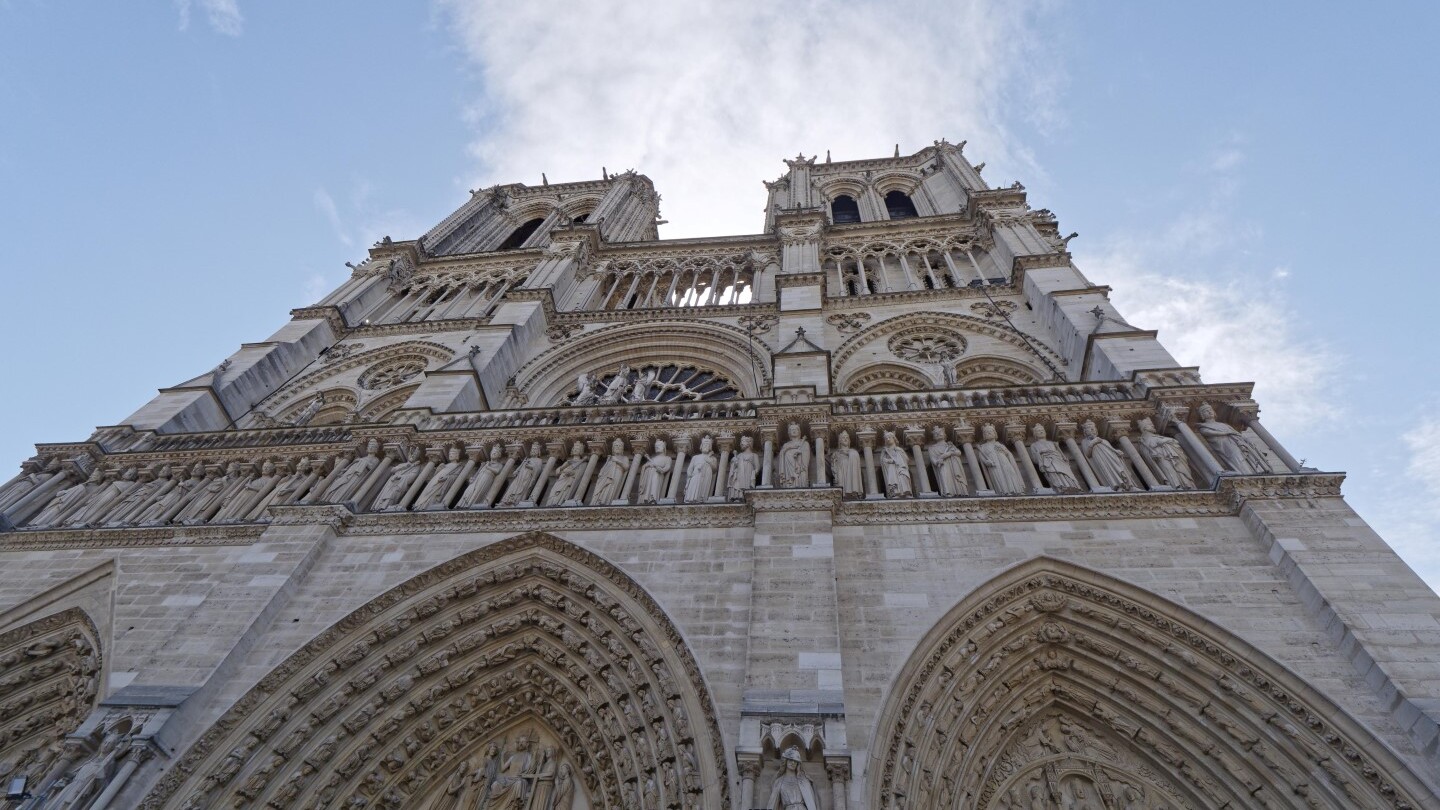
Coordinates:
(527, 674)
(1056, 687)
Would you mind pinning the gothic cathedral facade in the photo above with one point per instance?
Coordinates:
(883, 508)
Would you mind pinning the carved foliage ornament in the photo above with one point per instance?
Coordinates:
(529, 637)
(1056, 687)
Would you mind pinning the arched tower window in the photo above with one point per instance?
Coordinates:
(580, 219)
(899, 205)
(518, 237)
(844, 209)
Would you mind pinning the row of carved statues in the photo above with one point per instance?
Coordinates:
(947, 462)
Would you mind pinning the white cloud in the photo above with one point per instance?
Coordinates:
(707, 97)
(326, 204)
(223, 16)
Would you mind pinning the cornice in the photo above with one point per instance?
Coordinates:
(179, 536)
(578, 518)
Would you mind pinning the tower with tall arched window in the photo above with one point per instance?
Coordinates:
(885, 507)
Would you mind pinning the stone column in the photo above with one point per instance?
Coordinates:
(472, 458)
(767, 460)
(34, 500)
(140, 752)
(596, 447)
(1067, 434)
(749, 772)
(1199, 449)
(362, 494)
(1121, 432)
(517, 451)
(822, 477)
(433, 456)
(839, 773)
(1015, 434)
(319, 487)
(682, 447)
(637, 453)
(866, 436)
(1252, 421)
(727, 443)
(915, 437)
(553, 451)
(966, 434)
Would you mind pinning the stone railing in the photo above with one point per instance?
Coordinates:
(659, 454)
(982, 398)
(594, 415)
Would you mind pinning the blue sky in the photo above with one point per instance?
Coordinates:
(1256, 181)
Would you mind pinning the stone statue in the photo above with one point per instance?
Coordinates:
(102, 499)
(1167, 456)
(432, 496)
(587, 395)
(792, 790)
(744, 467)
(845, 467)
(1230, 445)
(208, 496)
(305, 414)
(895, 467)
(511, 785)
(455, 787)
(353, 474)
(402, 475)
(238, 505)
(794, 467)
(484, 776)
(654, 474)
(998, 463)
(188, 482)
(484, 479)
(640, 391)
(129, 506)
(615, 389)
(567, 476)
(92, 776)
(700, 475)
(67, 498)
(949, 463)
(1051, 463)
(288, 491)
(564, 797)
(611, 476)
(526, 474)
(32, 475)
(1110, 468)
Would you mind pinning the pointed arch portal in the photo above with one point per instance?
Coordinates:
(1056, 687)
(529, 668)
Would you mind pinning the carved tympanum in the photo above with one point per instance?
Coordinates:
(1055, 687)
(424, 695)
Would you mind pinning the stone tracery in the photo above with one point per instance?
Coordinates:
(384, 707)
(1052, 682)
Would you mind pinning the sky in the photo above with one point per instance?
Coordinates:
(1256, 181)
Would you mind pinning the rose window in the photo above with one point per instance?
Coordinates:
(392, 373)
(927, 347)
(668, 383)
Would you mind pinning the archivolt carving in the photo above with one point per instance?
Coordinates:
(1055, 684)
(725, 349)
(984, 372)
(49, 677)
(881, 378)
(533, 632)
(940, 321)
(304, 386)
